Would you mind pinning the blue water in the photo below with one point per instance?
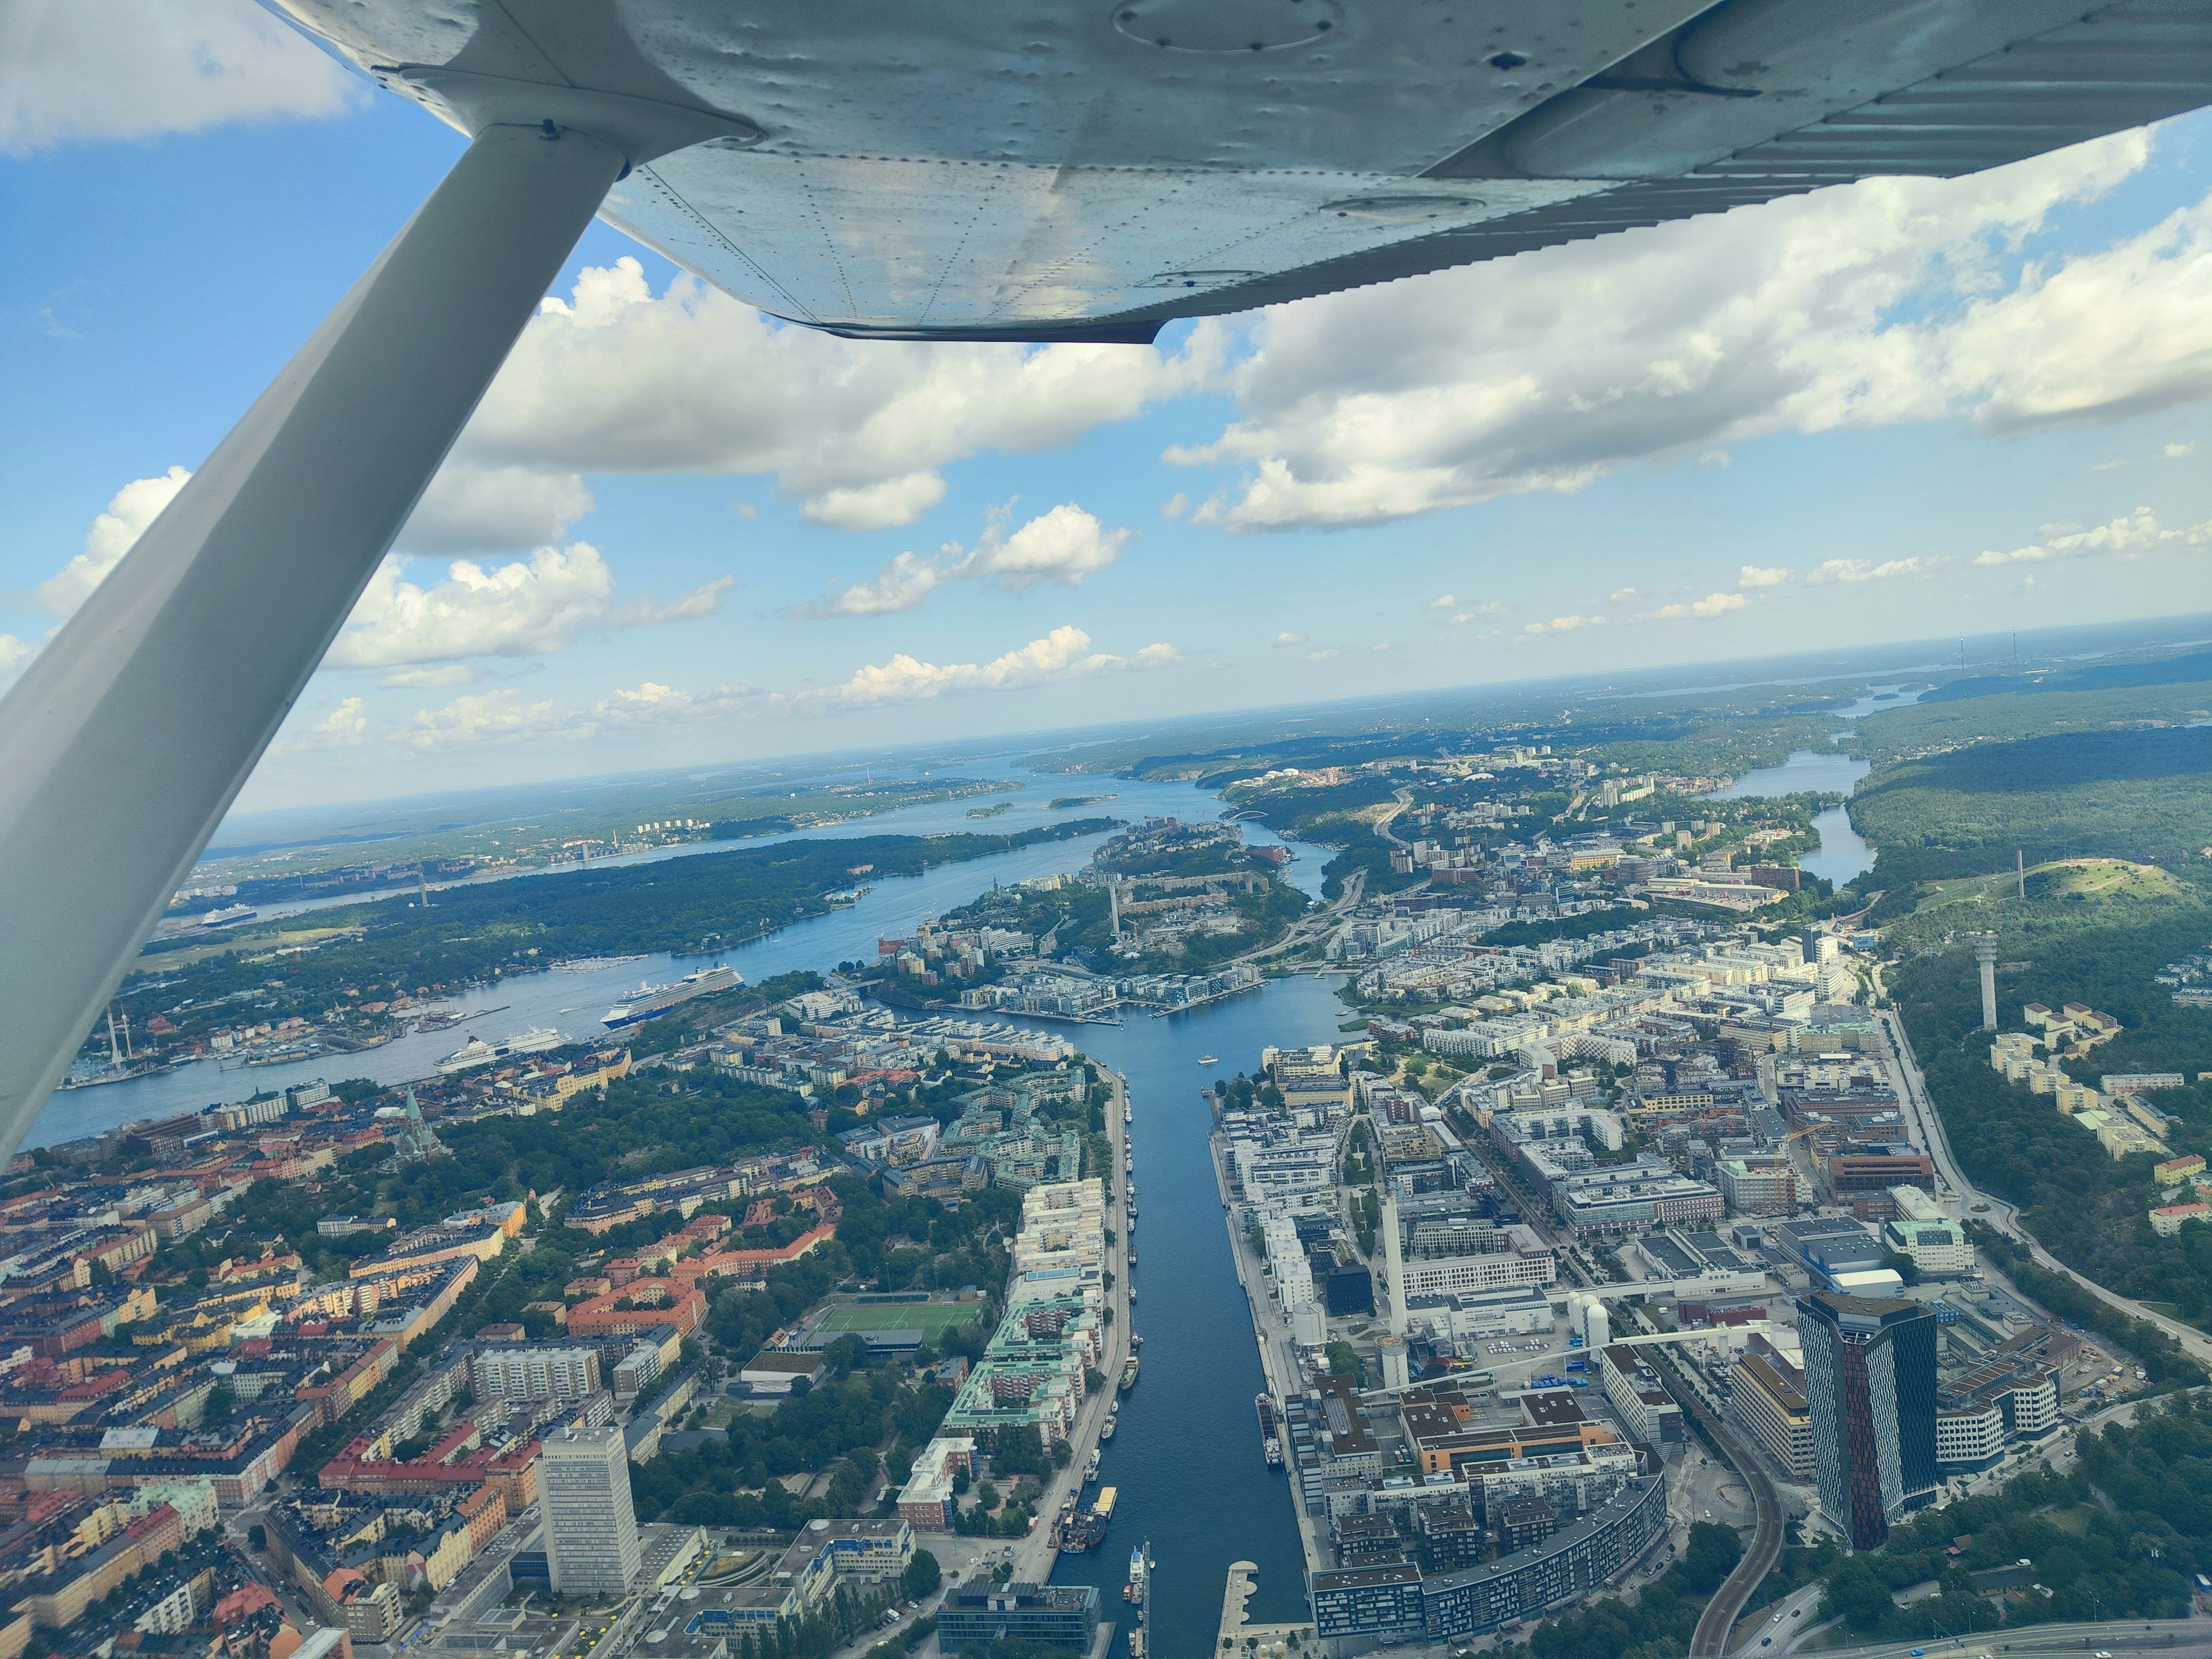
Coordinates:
(1186, 1454)
(1844, 853)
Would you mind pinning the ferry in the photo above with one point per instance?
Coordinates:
(650, 999)
(1129, 1373)
(1270, 1441)
(1209, 1059)
(477, 1051)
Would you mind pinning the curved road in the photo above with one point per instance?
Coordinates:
(1710, 1638)
(2003, 1216)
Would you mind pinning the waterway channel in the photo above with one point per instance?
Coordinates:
(1844, 853)
(1186, 1456)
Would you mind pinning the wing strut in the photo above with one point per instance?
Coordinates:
(127, 738)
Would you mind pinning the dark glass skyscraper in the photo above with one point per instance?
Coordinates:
(1870, 1379)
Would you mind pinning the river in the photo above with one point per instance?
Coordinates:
(1844, 853)
(573, 1002)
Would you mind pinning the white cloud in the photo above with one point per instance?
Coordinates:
(2175, 452)
(2107, 466)
(343, 726)
(1769, 576)
(903, 584)
(1717, 458)
(1441, 602)
(470, 508)
(1621, 595)
(2123, 538)
(1481, 608)
(135, 506)
(878, 506)
(1175, 506)
(1159, 654)
(523, 608)
(1713, 604)
(1866, 570)
(426, 679)
(481, 717)
(132, 69)
(1325, 654)
(1562, 625)
(655, 704)
(1890, 300)
(14, 653)
(1063, 655)
(1284, 640)
(616, 378)
(1062, 546)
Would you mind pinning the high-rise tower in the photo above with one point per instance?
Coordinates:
(1870, 1379)
(1985, 954)
(591, 1530)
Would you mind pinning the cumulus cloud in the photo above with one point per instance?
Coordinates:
(1866, 570)
(1175, 506)
(1062, 546)
(1562, 625)
(1063, 655)
(481, 717)
(134, 69)
(1768, 575)
(1481, 608)
(14, 653)
(1326, 653)
(2175, 452)
(2123, 538)
(1284, 640)
(134, 506)
(615, 378)
(1441, 602)
(470, 508)
(877, 506)
(1713, 604)
(527, 608)
(1621, 595)
(1549, 371)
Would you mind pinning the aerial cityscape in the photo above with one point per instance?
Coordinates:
(1558, 742)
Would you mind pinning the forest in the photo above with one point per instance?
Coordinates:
(2086, 1207)
(2142, 794)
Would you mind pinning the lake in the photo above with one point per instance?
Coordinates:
(1844, 853)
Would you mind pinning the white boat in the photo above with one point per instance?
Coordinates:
(1209, 1059)
(650, 999)
(228, 914)
(477, 1051)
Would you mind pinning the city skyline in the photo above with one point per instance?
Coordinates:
(1888, 412)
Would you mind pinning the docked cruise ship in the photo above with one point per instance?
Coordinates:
(650, 999)
(477, 1051)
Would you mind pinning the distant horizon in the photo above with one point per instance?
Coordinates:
(2151, 634)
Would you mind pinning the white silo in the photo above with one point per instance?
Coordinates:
(1597, 1329)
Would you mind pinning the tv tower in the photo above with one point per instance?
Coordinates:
(1985, 953)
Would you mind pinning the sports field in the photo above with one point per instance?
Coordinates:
(928, 1317)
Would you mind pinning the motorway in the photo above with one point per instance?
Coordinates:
(2185, 1639)
(2005, 1216)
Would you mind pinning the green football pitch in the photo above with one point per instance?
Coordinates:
(930, 1317)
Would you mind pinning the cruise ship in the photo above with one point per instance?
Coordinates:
(650, 999)
(477, 1051)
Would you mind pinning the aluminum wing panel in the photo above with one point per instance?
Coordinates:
(1026, 170)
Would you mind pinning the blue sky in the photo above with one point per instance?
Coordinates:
(1898, 410)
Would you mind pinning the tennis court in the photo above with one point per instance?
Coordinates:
(928, 1317)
